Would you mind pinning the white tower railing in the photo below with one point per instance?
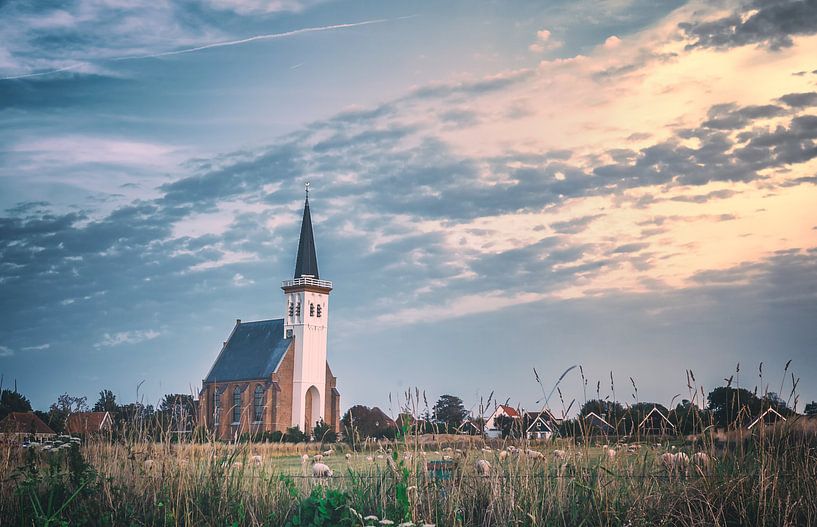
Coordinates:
(307, 281)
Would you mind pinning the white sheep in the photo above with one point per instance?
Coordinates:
(503, 454)
(370, 459)
(702, 460)
(317, 457)
(149, 464)
(610, 453)
(304, 458)
(319, 470)
(559, 454)
(348, 456)
(328, 453)
(483, 468)
(534, 454)
(674, 462)
(256, 460)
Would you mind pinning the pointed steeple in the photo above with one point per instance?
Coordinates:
(307, 261)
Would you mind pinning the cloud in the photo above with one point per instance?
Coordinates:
(254, 7)
(126, 337)
(41, 347)
(6, 352)
(612, 42)
(544, 42)
(799, 100)
(769, 23)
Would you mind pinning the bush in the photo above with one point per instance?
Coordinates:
(294, 435)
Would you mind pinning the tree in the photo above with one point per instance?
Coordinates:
(13, 401)
(730, 404)
(62, 408)
(323, 432)
(509, 426)
(294, 435)
(449, 411)
(178, 411)
(363, 421)
(811, 409)
(106, 402)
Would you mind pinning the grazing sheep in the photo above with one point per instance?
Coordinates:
(370, 459)
(304, 458)
(380, 456)
(533, 454)
(483, 468)
(256, 460)
(328, 453)
(447, 458)
(674, 462)
(610, 453)
(348, 456)
(486, 449)
(503, 454)
(512, 449)
(317, 457)
(559, 454)
(702, 460)
(319, 470)
(149, 464)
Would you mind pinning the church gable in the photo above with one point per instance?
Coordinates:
(253, 351)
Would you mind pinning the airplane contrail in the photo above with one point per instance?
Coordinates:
(269, 36)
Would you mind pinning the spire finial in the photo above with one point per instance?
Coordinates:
(306, 188)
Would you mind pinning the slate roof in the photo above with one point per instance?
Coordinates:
(307, 262)
(24, 423)
(253, 351)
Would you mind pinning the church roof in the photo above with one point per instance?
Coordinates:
(307, 262)
(253, 351)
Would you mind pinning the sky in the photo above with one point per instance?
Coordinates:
(500, 190)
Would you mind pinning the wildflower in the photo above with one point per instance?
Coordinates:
(384, 521)
(371, 517)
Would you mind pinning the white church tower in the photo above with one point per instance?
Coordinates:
(306, 319)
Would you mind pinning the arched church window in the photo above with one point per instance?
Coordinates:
(291, 309)
(298, 309)
(236, 405)
(311, 309)
(216, 407)
(258, 404)
(319, 310)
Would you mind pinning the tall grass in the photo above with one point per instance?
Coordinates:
(768, 477)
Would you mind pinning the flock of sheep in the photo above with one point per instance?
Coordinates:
(674, 463)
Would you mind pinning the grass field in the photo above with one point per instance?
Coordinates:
(767, 478)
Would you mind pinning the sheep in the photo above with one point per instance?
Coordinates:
(348, 456)
(702, 460)
(533, 454)
(379, 456)
(149, 464)
(317, 457)
(483, 468)
(304, 458)
(328, 453)
(559, 454)
(256, 460)
(610, 453)
(486, 449)
(503, 454)
(674, 462)
(370, 459)
(319, 470)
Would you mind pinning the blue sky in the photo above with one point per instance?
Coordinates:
(497, 187)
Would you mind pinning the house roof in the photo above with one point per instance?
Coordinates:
(598, 421)
(86, 422)
(649, 415)
(541, 422)
(253, 351)
(306, 264)
(510, 410)
(764, 414)
(24, 423)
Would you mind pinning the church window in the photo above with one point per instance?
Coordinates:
(298, 309)
(311, 310)
(258, 404)
(236, 405)
(216, 407)
(319, 311)
(291, 309)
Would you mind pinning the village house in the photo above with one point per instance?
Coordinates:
(502, 411)
(88, 423)
(273, 374)
(18, 426)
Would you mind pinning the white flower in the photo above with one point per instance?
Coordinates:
(371, 517)
(386, 522)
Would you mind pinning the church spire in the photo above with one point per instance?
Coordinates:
(307, 261)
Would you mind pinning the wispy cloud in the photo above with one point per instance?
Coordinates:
(5, 351)
(126, 337)
(37, 348)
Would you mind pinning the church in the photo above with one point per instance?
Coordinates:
(272, 374)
